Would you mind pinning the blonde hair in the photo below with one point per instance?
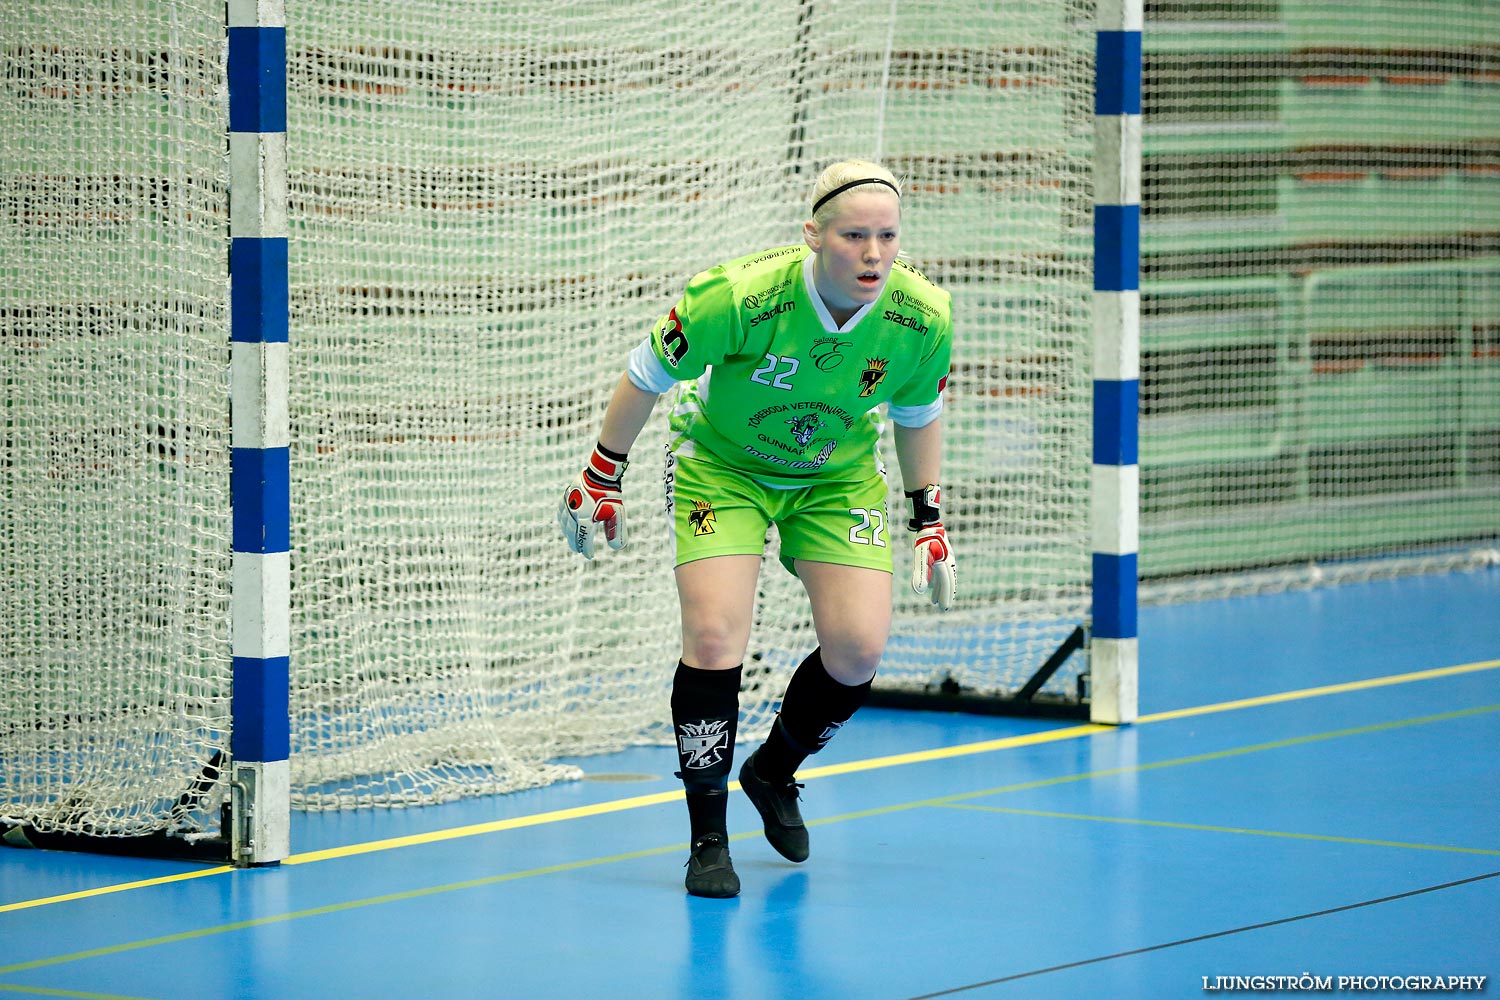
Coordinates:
(850, 174)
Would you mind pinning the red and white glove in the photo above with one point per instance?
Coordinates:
(934, 569)
(593, 503)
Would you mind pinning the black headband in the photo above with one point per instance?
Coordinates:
(852, 184)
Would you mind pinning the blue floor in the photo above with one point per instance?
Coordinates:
(1348, 829)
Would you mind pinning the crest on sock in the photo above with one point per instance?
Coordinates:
(702, 744)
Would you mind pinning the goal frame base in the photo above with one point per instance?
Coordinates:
(159, 846)
(947, 695)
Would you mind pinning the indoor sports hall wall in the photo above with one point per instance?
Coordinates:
(1321, 290)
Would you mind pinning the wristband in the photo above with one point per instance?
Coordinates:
(606, 466)
(926, 506)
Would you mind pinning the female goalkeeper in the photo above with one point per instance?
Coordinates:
(784, 357)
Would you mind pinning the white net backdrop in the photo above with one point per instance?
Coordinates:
(492, 208)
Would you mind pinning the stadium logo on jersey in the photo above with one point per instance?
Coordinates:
(910, 322)
(702, 743)
(772, 313)
(757, 299)
(908, 300)
(872, 376)
(825, 352)
(674, 343)
(701, 520)
(804, 427)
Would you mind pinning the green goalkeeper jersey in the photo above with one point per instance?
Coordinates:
(774, 388)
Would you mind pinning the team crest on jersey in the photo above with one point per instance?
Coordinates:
(804, 427)
(872, 376)
(701, 519)
(702, 743)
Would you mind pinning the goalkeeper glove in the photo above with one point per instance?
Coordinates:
(593, 501)
(934, 568)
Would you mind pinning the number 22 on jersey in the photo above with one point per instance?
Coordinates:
(776, 372)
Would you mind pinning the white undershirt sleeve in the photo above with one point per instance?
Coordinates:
(646, 370)
(916, 416)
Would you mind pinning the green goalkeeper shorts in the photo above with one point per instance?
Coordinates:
(718, 511)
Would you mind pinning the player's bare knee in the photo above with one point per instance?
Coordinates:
(853, 663)
(713, 648)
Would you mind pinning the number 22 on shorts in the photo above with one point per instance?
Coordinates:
(869, 526)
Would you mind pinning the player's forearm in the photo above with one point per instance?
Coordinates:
(629, 409)
(919, 451)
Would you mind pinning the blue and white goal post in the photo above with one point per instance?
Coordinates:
(1115, 501)
(260, 633)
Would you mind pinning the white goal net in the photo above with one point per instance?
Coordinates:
(490, 204)
(491, 211)
(114, 455)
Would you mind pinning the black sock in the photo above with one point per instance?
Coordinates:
(812, 710)
(705, 716)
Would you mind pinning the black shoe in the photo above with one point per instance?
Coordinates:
(710, 872)
(776, 801)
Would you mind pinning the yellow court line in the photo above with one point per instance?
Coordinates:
(963, 750)
(1317, 692)
(1200, 758)
(1073, 732)
(496, 826)
(39, 991)
(122, 887)
(1205, 828)
(894, 760)
(659, 798)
